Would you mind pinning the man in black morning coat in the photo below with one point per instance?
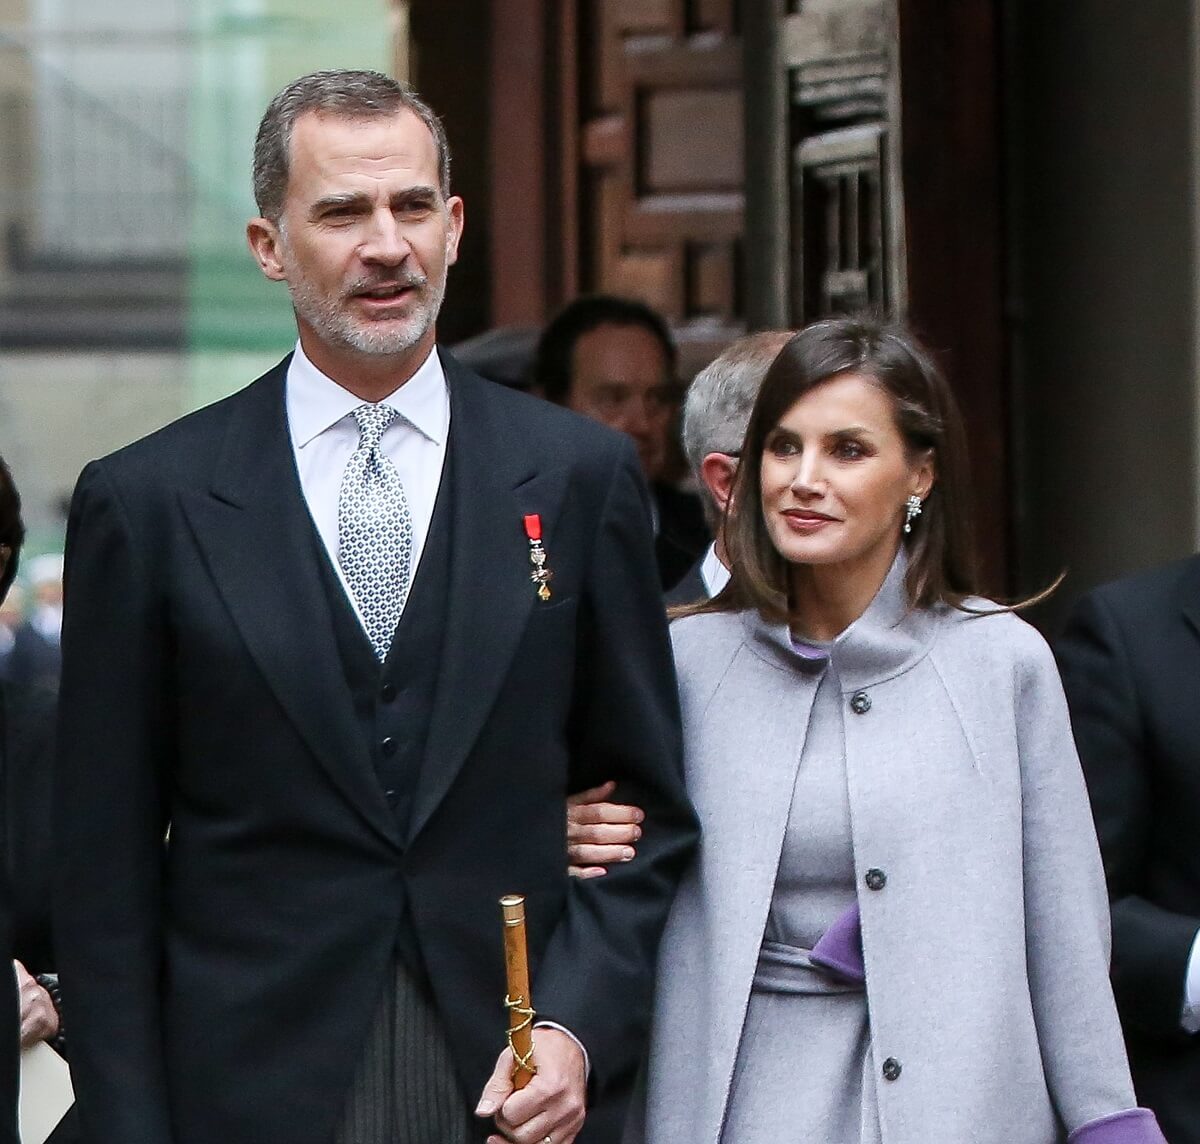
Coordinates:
(347, 802)
(1130, 661)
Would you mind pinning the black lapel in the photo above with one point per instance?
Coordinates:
(491, 594)
(262, 550)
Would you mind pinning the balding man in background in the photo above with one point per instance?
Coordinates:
(716, 412)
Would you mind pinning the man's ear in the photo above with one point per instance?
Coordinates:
(718, 471)
(454, 209)
(265, 243)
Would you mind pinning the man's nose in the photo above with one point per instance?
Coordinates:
(386, 243)
(639, 420)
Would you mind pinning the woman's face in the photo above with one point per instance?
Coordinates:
(835, 477)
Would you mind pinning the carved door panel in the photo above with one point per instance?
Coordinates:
(655, 188)
(847, 233)
(847, 236)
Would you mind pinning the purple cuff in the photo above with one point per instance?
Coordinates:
(1133, 1126)
(839, 952)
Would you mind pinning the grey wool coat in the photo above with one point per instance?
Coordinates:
(986, 947)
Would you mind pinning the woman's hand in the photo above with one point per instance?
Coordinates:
(39, 1021)
(600, 833)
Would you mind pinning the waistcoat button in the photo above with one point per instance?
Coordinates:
(387, 692)
(860, 703)
(891, 1069)
(388, 746)
(875, 878)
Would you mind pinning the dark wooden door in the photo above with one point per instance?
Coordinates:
(617, 161)
(876, 183)
(652, 182)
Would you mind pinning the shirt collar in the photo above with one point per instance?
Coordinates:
(714, 574)
(315, 401)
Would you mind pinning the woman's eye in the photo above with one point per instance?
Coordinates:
(783, 447)
(849, 450)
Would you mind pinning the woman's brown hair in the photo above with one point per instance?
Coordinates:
(941, 564)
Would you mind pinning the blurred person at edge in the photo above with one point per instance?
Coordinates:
(613, 359)
(26, 777)
(12, 616)
(37, 643)
(940, 972)
(1130, 661)
(339, 669)
(716, 410)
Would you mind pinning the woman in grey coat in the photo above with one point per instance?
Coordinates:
(897, 930)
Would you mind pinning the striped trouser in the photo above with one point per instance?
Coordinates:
(405, 1090)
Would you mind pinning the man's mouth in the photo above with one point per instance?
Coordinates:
(385, 292)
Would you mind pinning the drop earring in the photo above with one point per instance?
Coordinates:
(912, 509)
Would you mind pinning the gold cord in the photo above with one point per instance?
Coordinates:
(518, 1006)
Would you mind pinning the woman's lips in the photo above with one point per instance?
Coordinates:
(801, 521)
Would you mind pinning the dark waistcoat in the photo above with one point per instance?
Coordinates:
(393, 701)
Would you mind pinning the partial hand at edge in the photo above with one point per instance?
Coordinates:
(39, 1020)
(600, 833)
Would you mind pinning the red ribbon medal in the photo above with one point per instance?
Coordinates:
(541, 574)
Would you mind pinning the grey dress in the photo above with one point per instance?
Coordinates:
(799, 1022)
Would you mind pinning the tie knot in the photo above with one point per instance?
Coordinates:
(372, 421)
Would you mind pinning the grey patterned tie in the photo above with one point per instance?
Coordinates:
(375, 532)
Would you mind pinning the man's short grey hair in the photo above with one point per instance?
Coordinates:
(716, 409)
(345, 93)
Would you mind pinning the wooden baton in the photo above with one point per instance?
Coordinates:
(518, 1002)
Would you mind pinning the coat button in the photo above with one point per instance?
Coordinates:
(388, 692)
(388, 746)
(860, 703)
(875, 878)
(891, 1069)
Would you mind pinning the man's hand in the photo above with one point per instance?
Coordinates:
(39, 1021)
(551, 1106)
(600, 833)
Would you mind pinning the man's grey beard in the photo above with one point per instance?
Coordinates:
(335, 325)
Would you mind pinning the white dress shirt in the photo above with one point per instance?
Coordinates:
(714, 574)
(324, 435)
